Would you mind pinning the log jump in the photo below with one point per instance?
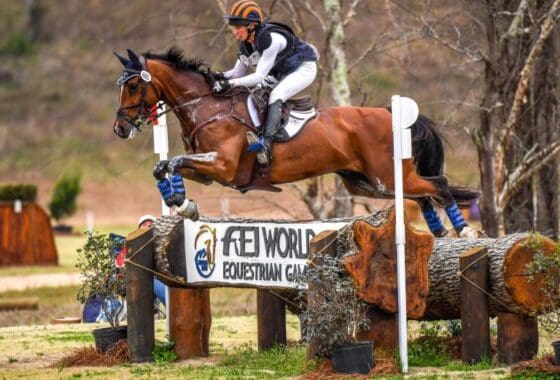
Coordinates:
(447, 278)
(450, 278)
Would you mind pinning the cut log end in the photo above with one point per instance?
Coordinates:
(373, 266)
(524, 292)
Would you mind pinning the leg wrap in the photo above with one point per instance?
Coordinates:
(456, 217)
(433, 220)
(165, 189)
(177, 184)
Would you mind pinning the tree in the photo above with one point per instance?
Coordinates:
(517, 138)
(65, 193)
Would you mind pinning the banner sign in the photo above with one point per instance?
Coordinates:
(262, 254)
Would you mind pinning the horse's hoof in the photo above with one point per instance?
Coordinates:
(189, 210)
(441, 233)
(176, 199)
(469, 232)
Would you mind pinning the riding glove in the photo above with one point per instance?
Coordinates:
(216, 75)
(221, 86)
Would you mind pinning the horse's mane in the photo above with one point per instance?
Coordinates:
(177, 59)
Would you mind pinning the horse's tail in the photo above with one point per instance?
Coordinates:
(463, 195)
(429, 157)
(427, 147)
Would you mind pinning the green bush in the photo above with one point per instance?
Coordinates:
(65, 193)
(25, 193)
(18, 44)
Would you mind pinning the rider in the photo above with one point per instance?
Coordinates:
(273, 50)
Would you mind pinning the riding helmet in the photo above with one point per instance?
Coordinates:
(244, 12)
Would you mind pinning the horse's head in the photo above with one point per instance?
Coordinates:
(138, 96)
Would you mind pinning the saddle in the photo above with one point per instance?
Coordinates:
(295, 115)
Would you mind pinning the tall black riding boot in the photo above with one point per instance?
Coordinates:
(270, 128)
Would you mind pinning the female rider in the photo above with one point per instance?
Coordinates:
(273, 50)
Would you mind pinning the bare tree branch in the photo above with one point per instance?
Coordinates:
(529, 166)
(431, 32)
(316, 14)
(313, 199)
(351, 12)
(514, 27)
(547, 27)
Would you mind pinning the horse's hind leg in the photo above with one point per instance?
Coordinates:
(445, 198)
(431, 217)
(442, 196)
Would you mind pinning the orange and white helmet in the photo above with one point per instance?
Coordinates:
(244, 12)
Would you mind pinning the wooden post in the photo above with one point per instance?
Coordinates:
(518, 338)
(189, 321)
(139, 295)
(271, 320)
(383, 329)
(475, 319)
(320, 243)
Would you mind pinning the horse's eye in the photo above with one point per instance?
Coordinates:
(133, 87)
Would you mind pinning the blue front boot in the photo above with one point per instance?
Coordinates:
(164, 187)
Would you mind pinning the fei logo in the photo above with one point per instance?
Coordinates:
(204, 259)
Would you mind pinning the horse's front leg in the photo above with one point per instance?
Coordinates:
(172, 189)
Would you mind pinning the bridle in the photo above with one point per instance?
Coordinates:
(144, 113)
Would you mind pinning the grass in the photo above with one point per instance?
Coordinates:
(29, 349)
(55, 302)
(48, 296)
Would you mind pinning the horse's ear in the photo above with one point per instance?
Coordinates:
(133, 58)
(123, 60)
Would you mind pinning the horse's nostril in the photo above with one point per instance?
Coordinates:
(119, 130)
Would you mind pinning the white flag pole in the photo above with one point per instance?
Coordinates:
(161, 147)
(404, 114)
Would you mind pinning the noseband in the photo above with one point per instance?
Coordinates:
(143, 111)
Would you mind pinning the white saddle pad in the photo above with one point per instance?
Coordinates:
(293, 125)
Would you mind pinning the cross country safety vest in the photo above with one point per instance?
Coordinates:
(287, 60)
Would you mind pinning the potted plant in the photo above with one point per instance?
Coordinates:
(546, 268)
(332, 316)
(101, 279)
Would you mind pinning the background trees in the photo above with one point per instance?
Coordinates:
(485, 70)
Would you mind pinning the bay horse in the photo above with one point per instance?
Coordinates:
(353, 142)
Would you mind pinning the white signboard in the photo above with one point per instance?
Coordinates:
(264, 254)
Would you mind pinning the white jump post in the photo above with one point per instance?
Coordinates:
(404, 114)
(161, 147)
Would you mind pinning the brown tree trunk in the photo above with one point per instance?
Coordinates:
(520, 94)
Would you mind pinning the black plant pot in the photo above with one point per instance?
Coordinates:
(353, 358)
(556, 346)
(107, 337)
(62, 229)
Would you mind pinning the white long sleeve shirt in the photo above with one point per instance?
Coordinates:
(264, 65)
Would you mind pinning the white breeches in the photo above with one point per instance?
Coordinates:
(294, 82)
